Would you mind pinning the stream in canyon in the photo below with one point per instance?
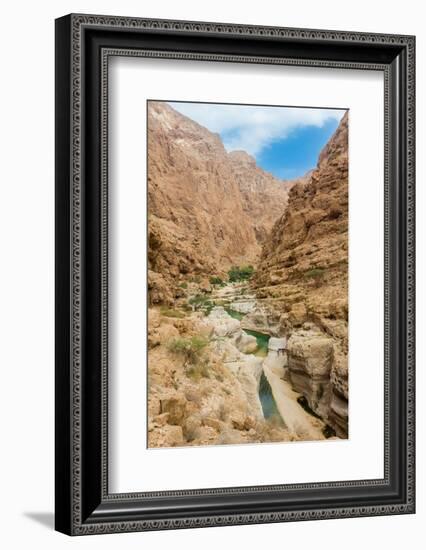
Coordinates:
(210, 210)
(269, 407)
(279, 402)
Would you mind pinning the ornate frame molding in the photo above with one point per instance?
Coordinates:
(72, 46)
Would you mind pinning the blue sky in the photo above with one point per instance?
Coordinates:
(285, 141)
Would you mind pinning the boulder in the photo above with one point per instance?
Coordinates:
(246, 343)
(223, 324)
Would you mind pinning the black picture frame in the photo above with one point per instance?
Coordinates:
(83, 45)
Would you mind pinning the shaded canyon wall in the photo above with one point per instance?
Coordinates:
(302, 278)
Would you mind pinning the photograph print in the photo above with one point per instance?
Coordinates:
(247, 274)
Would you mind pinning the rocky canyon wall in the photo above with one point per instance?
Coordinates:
(302, 278)
(207, 209)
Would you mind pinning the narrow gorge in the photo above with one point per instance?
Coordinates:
(247, 288)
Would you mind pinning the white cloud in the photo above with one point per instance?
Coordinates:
(254, 128)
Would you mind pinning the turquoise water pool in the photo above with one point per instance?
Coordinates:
(262, 342)
(234, 314)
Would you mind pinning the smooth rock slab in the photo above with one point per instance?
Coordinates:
(297, 421)
(276, 344)
(223, 324)
(243, 306)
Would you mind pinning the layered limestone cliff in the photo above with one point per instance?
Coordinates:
(263, 196)
(302, 279)
(207, 209)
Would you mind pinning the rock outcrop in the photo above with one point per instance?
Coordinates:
(207, 209)
(209, 397)
(310, 359)
(263, 318)
(302, 281)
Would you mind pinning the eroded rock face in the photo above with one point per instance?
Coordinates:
(310, 360)
(263, 319)
(174, 405)
(263, 199)
(303, 277)
(277, 344)
(208, 209)
(211, 398)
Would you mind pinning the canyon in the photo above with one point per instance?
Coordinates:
(202, 201)
(263, 358)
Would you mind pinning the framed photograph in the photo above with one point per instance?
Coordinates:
(234, 274)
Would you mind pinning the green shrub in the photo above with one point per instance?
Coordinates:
(201, 302)
(216, 281)
(315, 273)
(169, 312)
(191, 348)
(183, 285)
(242, 273)
(233, 313)
(198, 371)
(197, 300)
(208, 309)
